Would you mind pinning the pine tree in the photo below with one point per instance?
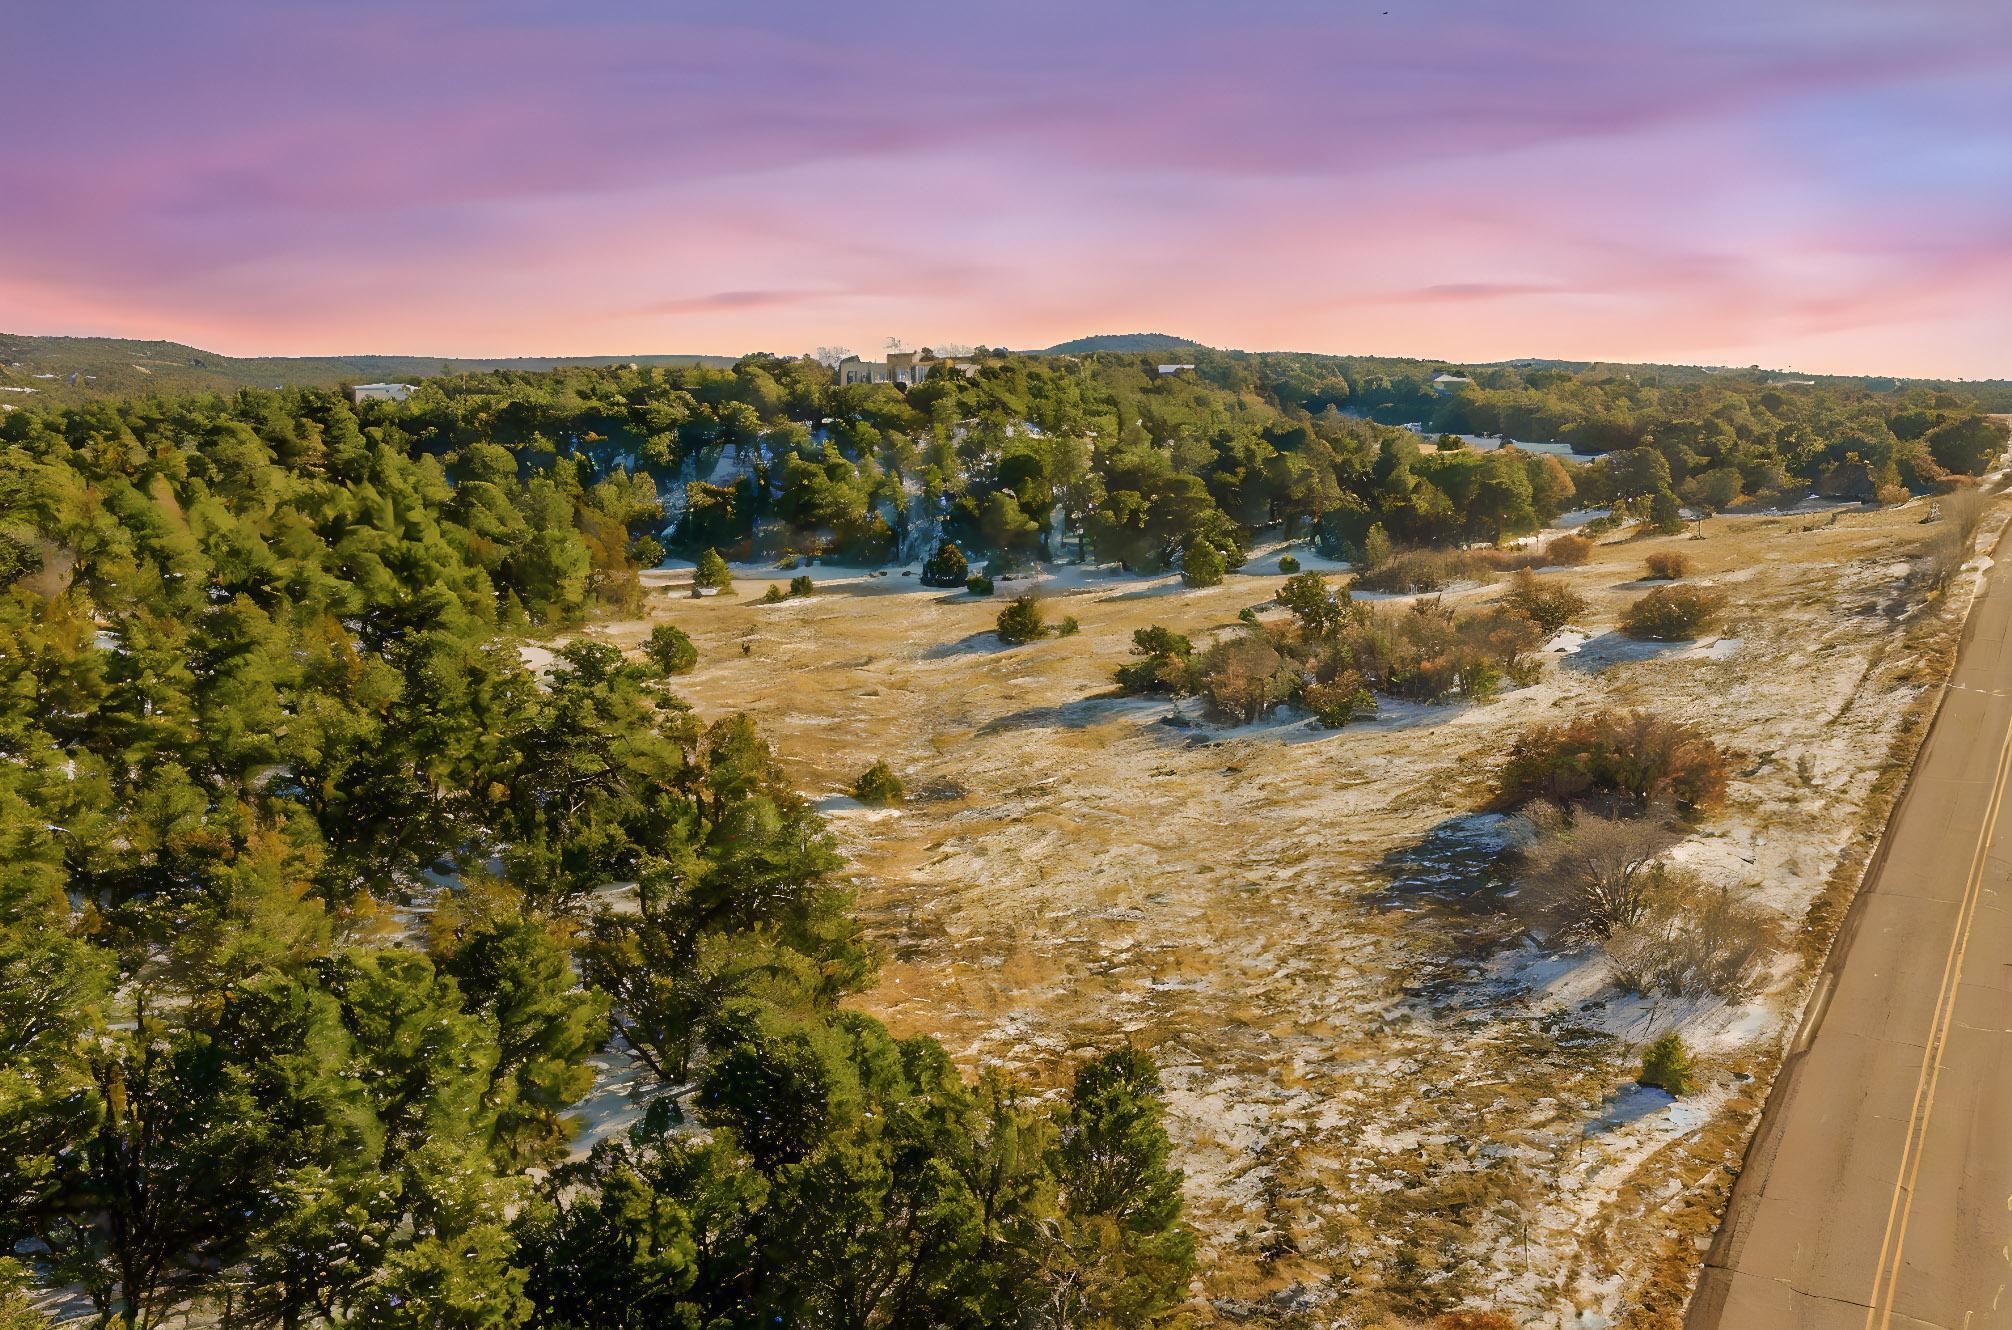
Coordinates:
(712, 574)
(1202, 565)
(1666, 1065)
(1022, 621)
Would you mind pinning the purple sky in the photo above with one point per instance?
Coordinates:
(1824, 184)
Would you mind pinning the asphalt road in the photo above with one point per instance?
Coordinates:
(1878, 1191)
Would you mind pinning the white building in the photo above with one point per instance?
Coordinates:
(381, 392)
(903, 367)
(1165, 370)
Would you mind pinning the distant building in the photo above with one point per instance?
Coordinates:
(903, 367)
(1165, 370)
(1448, 383)
(380, 392)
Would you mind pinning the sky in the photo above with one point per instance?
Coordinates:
(1823, 185)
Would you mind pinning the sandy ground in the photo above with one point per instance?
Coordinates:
(1384, 1105)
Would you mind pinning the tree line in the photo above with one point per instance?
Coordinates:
(1051, 456)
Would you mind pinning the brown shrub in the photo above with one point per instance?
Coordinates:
(1692, 940)
(1672, 614)
(1473, 1321)
(1669, 565)
(1568, 551)
(1548, 604)
(1246, 677)
(1409, 571)
(1631, 760)
(1581, 882)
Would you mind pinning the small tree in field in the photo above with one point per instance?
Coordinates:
(1668, 566)
(879, 786)
(1022, 621)
(1666, 1065)
(1548, 604)
(1568, 551)
(1203, 565)
(947, 567)
(712, 574)
(1672, 614)
(670, 650)
(1287, 564)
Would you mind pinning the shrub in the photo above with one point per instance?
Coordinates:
(878, 786)
(1568, 551)
(646, 551)
(1668, 565)
(1202, 564)
(1318, 609)
(1246, 677)
(1340, 700)
(980, 585)
(787, 563)
(1068, 627)
(1633, 759)
(1287, 564)
(1021, 621)
(775, 595)
(1473, 1321)
(1666, 1065)
(1964, 510)
(670, 650)
(1376, 547)
(1579, 883)
(1693, 941)
(946, 567)
(1672, 614)
(1162, 666)
(802, 586)
(712, 573)
(1548, 604)
(1411, 571)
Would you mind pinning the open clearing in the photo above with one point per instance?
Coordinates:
(1385, 1104)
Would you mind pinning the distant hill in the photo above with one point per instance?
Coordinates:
(1123, 343)
(69, 369)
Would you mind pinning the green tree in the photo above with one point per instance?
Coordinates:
(879, 786)
(1666, 1065)
(670, 649)
(946, 567)
(1122, 1227)
(1202, 565)
(712, 574)
(1022, 621)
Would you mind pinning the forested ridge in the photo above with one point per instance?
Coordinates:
(1057, 455)
(317, 901)
(316, 905)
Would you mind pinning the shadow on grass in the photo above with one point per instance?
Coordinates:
(1629, 1104)
(1613, 648)
(1458, 868)
(1080, 714)
(987, 643)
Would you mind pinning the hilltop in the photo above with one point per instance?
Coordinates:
(1123, 343)
(67, 369)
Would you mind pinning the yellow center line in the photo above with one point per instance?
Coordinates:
(1886, 1274)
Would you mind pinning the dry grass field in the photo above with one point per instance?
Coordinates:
(1385, 1103)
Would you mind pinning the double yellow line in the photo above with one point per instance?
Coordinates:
(1886, 1275)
